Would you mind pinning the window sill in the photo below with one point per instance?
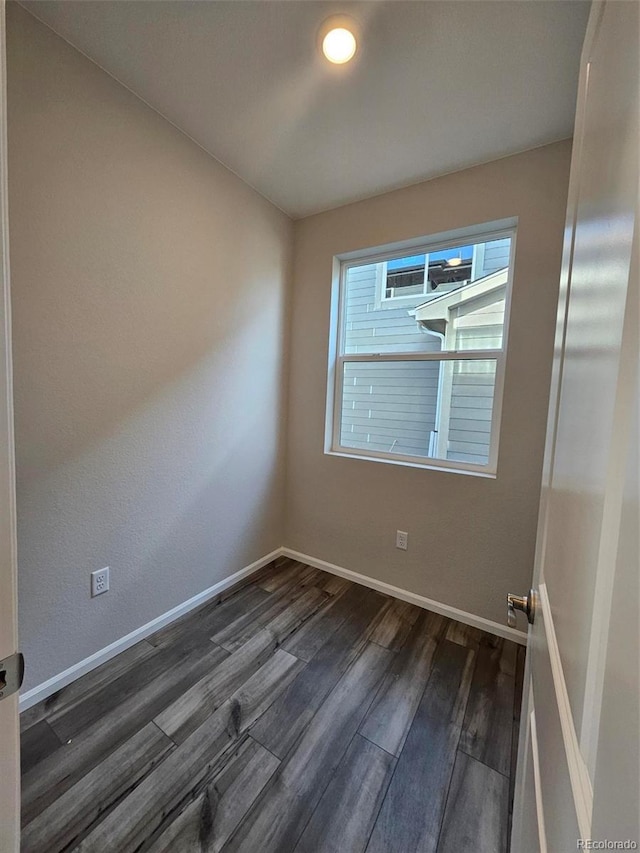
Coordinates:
(470, 471)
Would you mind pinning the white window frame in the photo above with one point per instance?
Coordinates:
(394, 301)
(338, 358)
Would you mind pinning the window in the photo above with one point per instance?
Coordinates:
(422, 275)
(417, 362)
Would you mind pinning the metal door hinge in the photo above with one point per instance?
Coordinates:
(11, 674)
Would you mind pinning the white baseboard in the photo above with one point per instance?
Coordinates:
(57, 682)
(412, 597)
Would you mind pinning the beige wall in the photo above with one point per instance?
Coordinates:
(471, 540)
(149, 297)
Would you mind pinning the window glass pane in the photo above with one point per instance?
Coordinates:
(372, 327)
(392, 307)
(406, 263)
(405, 277)
(427, 409)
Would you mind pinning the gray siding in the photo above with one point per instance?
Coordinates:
(470, 413)
(496, 257)
(388, 329)
(390, 406)
(386, 406)
(473, 385)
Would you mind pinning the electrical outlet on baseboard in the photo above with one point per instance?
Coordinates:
(402, 540)
(99, 581)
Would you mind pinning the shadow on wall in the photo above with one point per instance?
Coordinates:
(173, 496)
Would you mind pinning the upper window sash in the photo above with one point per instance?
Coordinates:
(424, 316)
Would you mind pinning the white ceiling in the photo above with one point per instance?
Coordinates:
(436, 86)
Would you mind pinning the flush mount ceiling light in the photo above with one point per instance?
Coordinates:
(339, 45)
(454, 262)
(338, 39)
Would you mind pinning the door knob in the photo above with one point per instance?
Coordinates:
(525, 603)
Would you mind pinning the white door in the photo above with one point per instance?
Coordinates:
(9, 726)
(578, 770)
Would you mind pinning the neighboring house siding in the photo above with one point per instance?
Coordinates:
(495, 256)
(389, 405)
(470, 414)
(388, 329)
(473, 385)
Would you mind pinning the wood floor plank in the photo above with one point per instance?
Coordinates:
(69, 696)
(66, 820)
(138, 817)
(210, 819)
(333, 584)
(166, 664)
(283, 574)
(285, 721)
(389, 719)
(278, 818)
(184, 715)
(411, 814)
(254, 577)
(36, 743)
(411, 612)
(475, 817)
(49, 779)
(305, 642)
(488, 723)
(395, 625)
(349, 806)
(247, 625)
(465, 635)
(212, 617)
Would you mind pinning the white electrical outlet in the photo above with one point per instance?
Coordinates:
(99, 581)
(402, 540)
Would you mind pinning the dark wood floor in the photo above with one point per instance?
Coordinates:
(299, 713)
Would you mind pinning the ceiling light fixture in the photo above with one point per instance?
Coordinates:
(339, 45)
(338, 39)
(454, 262)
